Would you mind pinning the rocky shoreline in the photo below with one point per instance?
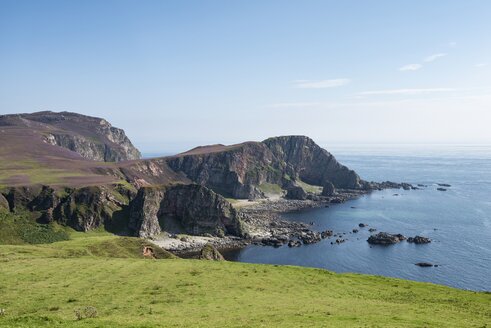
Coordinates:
(264, 224)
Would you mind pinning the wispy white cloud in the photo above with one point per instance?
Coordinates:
(452, 44)
(434, 57)
(404, 91)
(479, 65)
(411, 67)
(321, 84)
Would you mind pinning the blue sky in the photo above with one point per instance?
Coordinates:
(175, 74)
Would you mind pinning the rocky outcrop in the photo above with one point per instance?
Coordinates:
(328, 189)
(296, 192)
(384, 238)
(311, 163)
(144, 210)
(237, 171)
(83, 209)
(419, 240)
(87, 208)
(209, 252)
(199, 210)
(191, 209)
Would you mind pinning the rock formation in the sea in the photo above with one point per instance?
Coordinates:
(384, 238)
(424, 264)
(419, 240)
(209, 252)
(93, 138)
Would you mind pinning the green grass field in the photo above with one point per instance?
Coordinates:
(102, 275)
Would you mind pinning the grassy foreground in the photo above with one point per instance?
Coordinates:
(47, 285)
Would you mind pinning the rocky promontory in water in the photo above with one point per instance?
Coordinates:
(81, 172)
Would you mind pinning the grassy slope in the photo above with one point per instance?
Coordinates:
(43, 285)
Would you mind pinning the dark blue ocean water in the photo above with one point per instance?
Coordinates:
(457, 220)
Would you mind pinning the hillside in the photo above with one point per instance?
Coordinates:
(45, 286)
(81, 172)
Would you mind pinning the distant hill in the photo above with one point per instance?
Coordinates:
(91, 137)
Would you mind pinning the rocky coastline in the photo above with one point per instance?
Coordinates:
(265, 225)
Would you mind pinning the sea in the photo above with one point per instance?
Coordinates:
(457, 220)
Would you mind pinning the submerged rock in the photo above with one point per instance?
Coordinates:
(441, 189)
(384, 238)
(424, 264)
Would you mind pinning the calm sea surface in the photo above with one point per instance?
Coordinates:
(458, 220)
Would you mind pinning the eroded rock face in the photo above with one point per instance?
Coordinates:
(199, 210)
(192, 209)
(313, 164)
(87, 208)
(83, 209)
(144, 209)
(238, 171)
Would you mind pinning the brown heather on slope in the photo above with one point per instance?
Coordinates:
(56, 166)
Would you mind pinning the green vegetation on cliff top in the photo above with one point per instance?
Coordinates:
(44, 286)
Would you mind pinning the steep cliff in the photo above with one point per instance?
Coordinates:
(312, 163)
(83, 209)
(191, 209)
(91, 137)
(239, 171)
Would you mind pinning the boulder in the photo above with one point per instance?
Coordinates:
(296, 192)
(384, 238)
(419, 240)
(310, 237)
(328, 189)
(209, 252)
(326, 234)
(294, 243)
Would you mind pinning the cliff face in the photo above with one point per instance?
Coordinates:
(83, 209)
(239, 171)
(191, 209)
(91, 137)
(312, 163)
